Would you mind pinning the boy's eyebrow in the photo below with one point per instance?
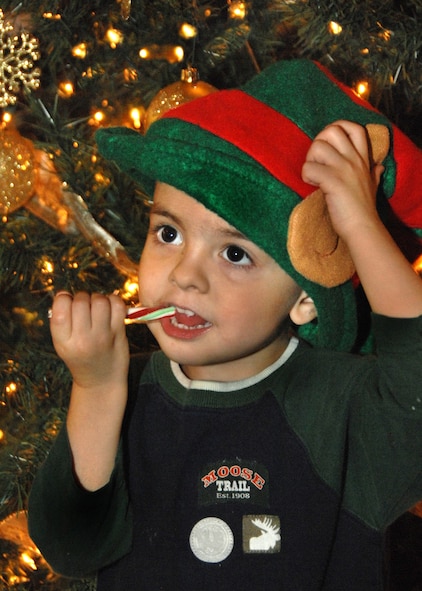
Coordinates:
(164, 213)
(233, 233)
(228, 230)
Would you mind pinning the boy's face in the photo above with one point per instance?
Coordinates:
(231, 297)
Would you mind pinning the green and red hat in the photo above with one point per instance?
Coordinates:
(240, 153)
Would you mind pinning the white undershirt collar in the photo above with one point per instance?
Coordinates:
(237, 385)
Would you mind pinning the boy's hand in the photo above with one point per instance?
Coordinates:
(339, 163)
(89, 335)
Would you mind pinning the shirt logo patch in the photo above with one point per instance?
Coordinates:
(211, 540)
(229, 481)
(261, 534)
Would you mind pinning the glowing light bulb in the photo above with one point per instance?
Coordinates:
(362, 88)
(28, 560)
(130, 288)
(334, 28)
(171, 53)
(11, 388)
(178, 53)
(237, 10)
(114, 37)
(130, 74)
(79, 50)
(188, 31)
(47, 266)
(97, 118)
(52, 16)
(7, 117)
(384, 33)
(100, 178)
(136, 117)
(66, 89)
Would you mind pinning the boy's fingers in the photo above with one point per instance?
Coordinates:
(340, 147)
(100, 311)
(344, 135)
(61, 315)
(118, 311)
(107, 311)
(82, 312)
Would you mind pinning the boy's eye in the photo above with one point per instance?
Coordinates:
(236, 255)
(169, 235)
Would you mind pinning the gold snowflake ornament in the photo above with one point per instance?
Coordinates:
(17, 56)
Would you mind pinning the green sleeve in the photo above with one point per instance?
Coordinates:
(386, 422)
(365, 412)
(77, 531)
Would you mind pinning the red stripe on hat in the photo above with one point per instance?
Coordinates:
(255, 128)
(405, 201)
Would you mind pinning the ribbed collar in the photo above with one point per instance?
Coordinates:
(212, 394)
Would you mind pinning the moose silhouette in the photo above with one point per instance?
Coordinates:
(270, 535)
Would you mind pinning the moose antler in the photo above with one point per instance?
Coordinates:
(266, 525)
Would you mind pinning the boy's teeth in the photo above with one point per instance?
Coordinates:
(186, 327)
(195, 321)
(186, 312)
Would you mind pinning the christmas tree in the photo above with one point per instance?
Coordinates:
(72, 221)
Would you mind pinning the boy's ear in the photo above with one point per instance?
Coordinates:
(304, 310)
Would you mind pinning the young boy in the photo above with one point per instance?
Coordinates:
(246, 457)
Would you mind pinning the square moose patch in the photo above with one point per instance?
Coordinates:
(261, 534)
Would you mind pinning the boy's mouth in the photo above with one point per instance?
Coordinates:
(188, 320)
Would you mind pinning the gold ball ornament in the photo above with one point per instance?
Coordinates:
(188, 88)
(16, 170)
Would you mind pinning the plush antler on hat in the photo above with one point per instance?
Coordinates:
(241, 152)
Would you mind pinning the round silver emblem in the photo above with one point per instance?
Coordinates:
(211, 540)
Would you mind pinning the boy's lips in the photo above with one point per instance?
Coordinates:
(185, 324)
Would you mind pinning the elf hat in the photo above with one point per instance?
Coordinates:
(240, 153)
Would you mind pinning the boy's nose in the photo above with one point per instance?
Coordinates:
(190, 273)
